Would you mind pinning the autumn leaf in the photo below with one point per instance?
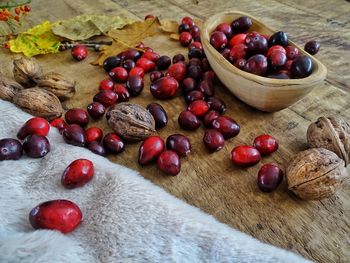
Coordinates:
(169, 26)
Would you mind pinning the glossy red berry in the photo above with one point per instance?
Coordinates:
(106, 84)
(217, 104)
(256, 43)
(265, 144)
(177, 71)
(79, 52)
(218, 40)
(194, 95)
(93, 134)
(257, 65)
(224, 28)
(128, 64)
(195, 72)
(131, 53)
(276, 48)
(155, 75)
(277, 59)
(36, 146)
(179, 143)
(138, 71)
(227, 126)
(195, 33)
(77, 116)
(270, 177)
(159, 115)
(113, 143)
(135, 85)
(169, 162)
(245, 155)
(207, 89)
(209, 117)
(10, 149)
(96, 110)
(27, 8)
(74, 134)
(185, 39)
(36, 125)
(301, 67)
(97, 148)
(188, 121)
(164, 88)
(146, 64)
(213, 140)
(111, 63)
(61, 215)
(151, 55)
(278, 38)
(238, 39)
(312, 47)
(178, 58)
(198, 107)
(150, 149)
(241, 24)
(78, 173)
(149, 17)
(188, 85)
(106, 97)
(59, 124)
(183, 28)
(119, 74)
(237, 52)
(163, 63)
(240, 63)
(188, 21)
(195, 44)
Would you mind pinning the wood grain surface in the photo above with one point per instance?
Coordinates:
(320, 230)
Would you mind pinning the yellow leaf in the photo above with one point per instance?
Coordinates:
(37, 40)
(169, 26)
(174, 36)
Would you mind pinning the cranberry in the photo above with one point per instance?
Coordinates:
(288, 65)
(217, 104)
(292, 52)
(256, 64)
(301, 67)
(185, 39)
(150, 149)
(74, 134)
(137, 71)
(179, 143)
(122, 92)
(159, 114)
(276, 48)
(96, 110)
(36, 146)
(169, 162)
(238, 39)
(149, 17)
(134, 85)
(270, 177)
(237, 52)
(111, 63)
(278, 38)
(93, 134)
(106, 84)
(224, 28)
(36, 125)
(140, 45)
(177, 71)
(113, 143)
(133, 54)
(178, 58)
(194, 95)
(205, 64)
(227, 126)
(164, 88)
(188, 121)
(207, 89)
(148, 49)
(240, 63)
(146, 64)
(195, 62)
(265, 144)
(77, 174)
(153, 56)
(163, 63)
(10, 149)
(198, 107)
(128, 64)
(188, 85)
(183, 28)
(77, 116)
(312, 47)
(245, 155)
(59, 124)
(195, 72)
(188, 21)
(195, 32)
(241, 24)
(155, 75)
(61, 215)
(277, 59)
(118, 74)
(106, 98)
(196, 53)
(209, 117)
(213, 140)
(218, 40)
(97, 147)
(79, 52)
(209, 77)
(256, 44)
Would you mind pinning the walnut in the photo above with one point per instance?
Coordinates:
(26, 71)
(8, 88)
(130, 121)
(332, 133)
(315, 174)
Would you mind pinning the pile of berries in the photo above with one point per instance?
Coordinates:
(16, 13)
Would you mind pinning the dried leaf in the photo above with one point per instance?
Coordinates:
(169, 26)
(174, 36)
(198, 22)
(37, 40)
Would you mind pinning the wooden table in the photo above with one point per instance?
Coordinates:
(318, 230)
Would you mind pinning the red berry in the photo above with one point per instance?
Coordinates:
(225, 53)
(178, 58)
(277, 59)
(113, 143)
(217, 104)
(140, 45)
(185, 38)
(17, 18)
(163, 63)
(241, 24)
(36, 125)
(238, 52)
(288, 65)
(292, 52)
(77, 116)
(276, 48)
(218, 40)
(183, 28)
(118, 74)
(188, 21)
(134, 85)
(96, 110)
(209, 117)
(245, 155)
(106, 98)
(179, 143)
(188, 121)
(61, 215)
(301, 67)
(188, 85)
(10, 149)
(79, 52)
(169, 162)
(97, 147)
(155, 75)
(74, 134)
(193, 96)
(77, 174)
(137, 71)
(240, 63)
(198, 107)
(195, 72)
(93, 134)
(128, 64)
(149, 17)
(195, 33)
(257, 65)
(195, 44)
(146, 64)
(59, 124)
(133, 54)
(17, 10)
(177, 71)
(27, 8)
(312, 47)
(270, 177)
(224, 28)
(36, 146)
(153, 56)
(106, 84)
(150, 149)
(122, 92)
(266, 144)
(256, 44)
(164, 88)
(213, 140)
(159, 115)
(207, 89)
(227, 126)
(238, 39)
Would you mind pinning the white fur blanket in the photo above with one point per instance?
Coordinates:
(126, 218)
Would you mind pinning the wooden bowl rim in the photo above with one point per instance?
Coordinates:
(317, 76)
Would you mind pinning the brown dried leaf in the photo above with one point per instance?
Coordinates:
(174, 36)
(169, 26)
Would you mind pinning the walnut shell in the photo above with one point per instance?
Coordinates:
(315, 174)
(332, 133)
(39, 102)
(131, 121)
(26, 71)
(8, 88)
(57, 84)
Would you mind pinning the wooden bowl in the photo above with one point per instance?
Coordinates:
(265, 94)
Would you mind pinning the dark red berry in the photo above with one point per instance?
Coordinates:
(245, 155)
(195, 72)
(151, 55)
(97, 147)
(113, 143)
(164, 88)
(188, 121)
(79, 52)
(217, 104)
(111, 63)
(277, 59)
(59, 124)
(178, 58)
(150, 149)
(185, 39)
(195, 62)
(227, 126)
(134, 85)
(177, 71)
(241, 24)
(195, 32)
(146, 64)
(237, 52)
(155, 75)
(292, 52)
(278, 38)
(312, 47)
(133, 54)
(149, 17)
(188, 21)
(163, 63)
(128, 64)
(118, 74)
(240, 63)
(270, 177)
(169, 162)
(77, 116)
(265, 144)
(256, 64)
(137, 71)
(106, 84)
(35, 125)
(276, 48)
(209, 117)
(78, 173)
(159, 114)
(93, 134)
(194, 95)
(256, 44)
(36, 146)
(122, 92)
(213, 140)
(301, 67)
(207, 89)
(218, 40)
(106, 98)
(198, 107)
(238, 39)
(183, 28)
(74, 134)
(225, 28)
(188, 85)
(179, 143)
(96, 110)
(10, 149)
(226, 53)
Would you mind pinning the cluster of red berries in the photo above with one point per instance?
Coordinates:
(7, 15)
(261, 54)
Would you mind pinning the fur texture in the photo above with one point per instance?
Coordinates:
(126, 218)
